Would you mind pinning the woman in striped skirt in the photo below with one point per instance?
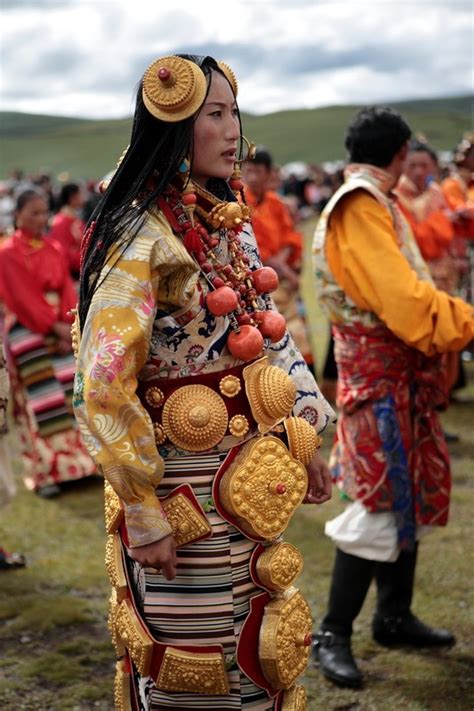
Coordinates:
(189, 388)
(38, 295)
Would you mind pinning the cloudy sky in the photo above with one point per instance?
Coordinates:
(84, 57)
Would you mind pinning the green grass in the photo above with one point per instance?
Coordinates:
(89, 149)
(55, 651)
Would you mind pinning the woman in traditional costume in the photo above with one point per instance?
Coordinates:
(67, 227)
(192, 399)
(38, 295)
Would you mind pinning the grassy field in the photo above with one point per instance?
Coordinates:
(55, 651)
(89, 149)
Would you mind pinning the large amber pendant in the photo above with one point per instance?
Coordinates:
(285, 638)
(262, 487)
(195, 418)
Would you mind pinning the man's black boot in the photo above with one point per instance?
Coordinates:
(334, 655)
(394, 623)
(351, 579)
(409, 630)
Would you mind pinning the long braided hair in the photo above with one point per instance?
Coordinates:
(156, 148)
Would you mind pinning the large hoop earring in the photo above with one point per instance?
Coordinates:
(236, 184)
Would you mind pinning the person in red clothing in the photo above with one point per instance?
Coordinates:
(67, 227)
(428, 213)
(280, 245)
(38, 295)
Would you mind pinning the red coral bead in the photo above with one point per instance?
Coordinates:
(272, 325)
(243, 319)
(265, 280)
(221, 301)
(246, 344)
(217, 282)
(164, 74)
(189, 199)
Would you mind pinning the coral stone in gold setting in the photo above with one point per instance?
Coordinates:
(239, 426)
(195, 418)
(230, 385)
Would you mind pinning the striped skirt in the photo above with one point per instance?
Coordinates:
(42, 381)
(208, 600)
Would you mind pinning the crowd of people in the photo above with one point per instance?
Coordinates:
(189, 382)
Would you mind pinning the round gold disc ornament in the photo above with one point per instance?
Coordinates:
(239, 426)
(230, 76)
(230, 386)
(154, 397)
(195, 418)
(285, 638)
(173, 88)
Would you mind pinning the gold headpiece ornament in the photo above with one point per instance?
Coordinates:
(230, 76)
(173, 88)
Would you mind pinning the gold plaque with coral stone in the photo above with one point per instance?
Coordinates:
(114, 513)
(279, 565)
(303, 440)
(193, 672)
(186, 522)
(294, 699)
(263, 486)
(122, 688)
(195, 418)
(270, 391)
(285, 638)
(114, 565)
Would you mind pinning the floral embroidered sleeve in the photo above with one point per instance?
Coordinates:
(310, 402)
(115, 427)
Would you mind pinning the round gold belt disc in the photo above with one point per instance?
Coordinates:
(195, 418)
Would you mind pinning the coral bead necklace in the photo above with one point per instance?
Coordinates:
(235, 287)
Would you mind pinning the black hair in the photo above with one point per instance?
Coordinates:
(67, 191)
(157, 148)
(421, 147)
(27, 196)
(263, 157)
(375, 136)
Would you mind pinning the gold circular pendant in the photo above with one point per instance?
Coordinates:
(230, 386)
(239, 426)
(195, 418)
(154, 397)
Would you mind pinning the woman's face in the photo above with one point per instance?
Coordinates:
(216, 133)
(33, 217)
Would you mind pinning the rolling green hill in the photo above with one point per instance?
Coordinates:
(88, 149)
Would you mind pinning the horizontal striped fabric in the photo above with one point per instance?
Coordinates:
(208, 600)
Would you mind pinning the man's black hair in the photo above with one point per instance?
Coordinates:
(375, 136)
(263, 157)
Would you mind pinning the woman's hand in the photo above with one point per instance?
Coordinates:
(319, 481)
(160, 554)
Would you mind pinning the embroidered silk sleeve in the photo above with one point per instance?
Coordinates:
(114, 347)
(368, 265)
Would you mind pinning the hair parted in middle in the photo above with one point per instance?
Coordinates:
(157, 148)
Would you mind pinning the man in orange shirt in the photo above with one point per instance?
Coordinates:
(390, 325)
(280, 245)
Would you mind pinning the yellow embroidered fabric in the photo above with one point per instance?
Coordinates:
(155, 270)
